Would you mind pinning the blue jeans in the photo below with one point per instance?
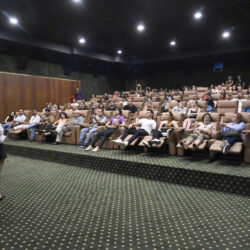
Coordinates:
(90, 132)
(6, 128)
(33, 130)
(232, 140)
(210, 108)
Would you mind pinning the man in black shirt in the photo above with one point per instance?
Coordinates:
(111, 106)
(130, 107)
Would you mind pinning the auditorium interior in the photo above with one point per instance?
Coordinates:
(124, 124)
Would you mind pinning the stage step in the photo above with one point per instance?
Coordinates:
(219, 176)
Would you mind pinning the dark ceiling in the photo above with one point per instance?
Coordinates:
(107, 25)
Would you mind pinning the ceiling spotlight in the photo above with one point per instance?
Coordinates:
(140, 27)
(82, 40)
(119, 51)
(226, 34)
(76, 1)
(172, 43)
(13, 20)
(198, 15)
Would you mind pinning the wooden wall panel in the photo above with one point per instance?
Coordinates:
(32, 92)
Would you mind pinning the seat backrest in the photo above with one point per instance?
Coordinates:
(216, 97)
(144, 114)
(108, 114)
(245, 104)
(155, 106)
(172, 104)
(202, 89)
(139, 105)
(86, 114)
(216, 118)
(202, 105)
(139, 99)
(245, 117)
(227, 106)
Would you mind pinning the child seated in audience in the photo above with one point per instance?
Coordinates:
(232, 132)
(192, 113)
(203, 131)
(165, 128)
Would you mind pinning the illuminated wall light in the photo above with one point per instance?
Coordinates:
(172, 43)
(226, 34)
(13, 20)
(82, 41)
(140, 27)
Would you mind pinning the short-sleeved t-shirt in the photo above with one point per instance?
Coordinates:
(147, 124)
(120, 120)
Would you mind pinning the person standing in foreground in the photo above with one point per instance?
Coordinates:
(3, 155)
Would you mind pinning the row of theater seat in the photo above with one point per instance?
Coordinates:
(226, 113)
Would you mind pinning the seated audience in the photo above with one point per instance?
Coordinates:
(239, 82)
(147, 107)
(165, 128)
(32, 124)
(98, 120)
(203, 131)
(78, 94)
(106, 97)
(192, 113)
(116, 121)
(82, 106)
(111, 106)
(146, 127)
(210, 102)
(240, 99)
(130, 107)
(229, 82)
(74, 104)
(165, 106)
(68, 108)
(180, 108)
(8, 123)
(65, 125)
(46, 122)
(232, 132)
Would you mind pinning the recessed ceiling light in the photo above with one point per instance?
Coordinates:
(198, 15)
(172, 43)
(119, 51)
(226, 34)
(13, 20)
(76, 1)
(140, 27)
(82, 40)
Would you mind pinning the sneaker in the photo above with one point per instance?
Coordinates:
(124, 143)
(147, 144)
(117, 141)
(226, 148)
(88, 148)
(96, 149)
(223, 144)
(156, 141)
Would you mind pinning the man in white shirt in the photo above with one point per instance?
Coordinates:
(32, 124)
(180, 108)
(147, 125)
(240, 99)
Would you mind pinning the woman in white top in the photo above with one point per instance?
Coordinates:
(3, 155)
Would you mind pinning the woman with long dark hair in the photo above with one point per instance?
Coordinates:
(3, 155)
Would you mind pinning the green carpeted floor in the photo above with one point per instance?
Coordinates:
(56, 206)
